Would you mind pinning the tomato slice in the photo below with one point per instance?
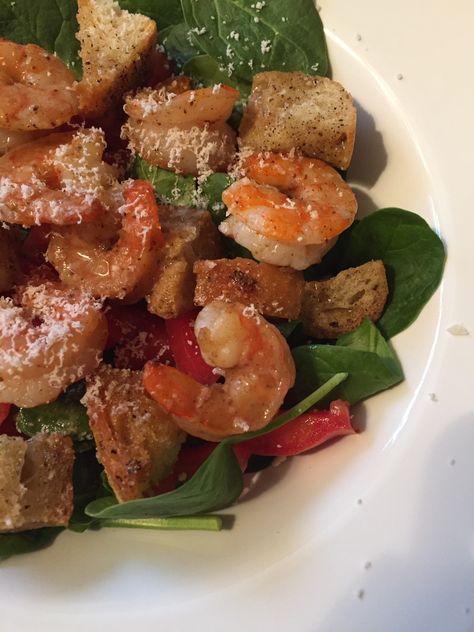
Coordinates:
(136, 336)
(185, 348)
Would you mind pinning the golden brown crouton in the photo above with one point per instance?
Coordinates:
(289, 110)
(35, 482)
(190, 235)
(137, 442)
(116, 47)
(12, 457)
(8, 261)
(339, 305)
(274, 291)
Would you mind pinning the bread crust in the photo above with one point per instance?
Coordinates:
(116, 48)
(339, 305)
(274, 291)
(288, 110)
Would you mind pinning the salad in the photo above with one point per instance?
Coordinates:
(186, 290)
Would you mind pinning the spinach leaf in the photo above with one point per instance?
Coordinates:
(27, 541)
(245, 37)
(178, 44)
(66, 418)
(177, 523)
(365, 355)
(179, 190)
(87, 484)
(50, 24)
(166, 13)
(215, 485)
(413, 256)
(207, 71)
(169, 187)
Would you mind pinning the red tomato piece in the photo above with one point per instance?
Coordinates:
(159, 69)
(185, 349)
(136, 336)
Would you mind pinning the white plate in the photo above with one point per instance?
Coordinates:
(376, 532)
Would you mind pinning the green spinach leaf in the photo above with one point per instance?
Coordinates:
(50, 24)
(176, 523)
(216, 484)
(27, 541)
(413, 255)
(166, 13)
(371, 364)
(66, 418)
(207, 71)
(245, 37)
(178, 44)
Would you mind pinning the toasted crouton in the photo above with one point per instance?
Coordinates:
(274, 291)
(12, 457)
(137, 442)
(35, 482)
(289, 110)
(190, 235)
(339, 305)
(116, 47)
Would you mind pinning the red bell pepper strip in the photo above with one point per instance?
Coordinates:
(299, 435)
(7, 421)
(185, 349)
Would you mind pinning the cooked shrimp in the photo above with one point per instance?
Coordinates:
(50, 336)
(137, 442)
(272, 251)
(255, 361)
(292, 200)
(125, 270)
(37, 89)
(59, 179)
(181, 129)
(9, 139)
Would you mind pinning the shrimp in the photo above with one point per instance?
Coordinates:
(59, 179)
(288, 202)
(9, 139)
(255, 361)
(127, 269)
(37, 90)
(50, 336)
(181, 129)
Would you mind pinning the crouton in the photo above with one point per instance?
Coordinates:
(137, 442)
(339, 305)
(12, 457)
(116, 48)
(8, 261)
(190, 235)
(289, 110)
(35, 482)
(274, 291)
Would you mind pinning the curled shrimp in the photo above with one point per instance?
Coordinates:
(255, 361)
(181, 129)
(125, 270)
(37, 90)
(59, 179)
(288, 209)
(50, 336)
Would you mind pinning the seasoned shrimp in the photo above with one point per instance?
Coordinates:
(289, 200)
(50, 336)
(59, 179)
(37, 89)
(9, 139)
(181, 129)
(255, 361)
(125, 270)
